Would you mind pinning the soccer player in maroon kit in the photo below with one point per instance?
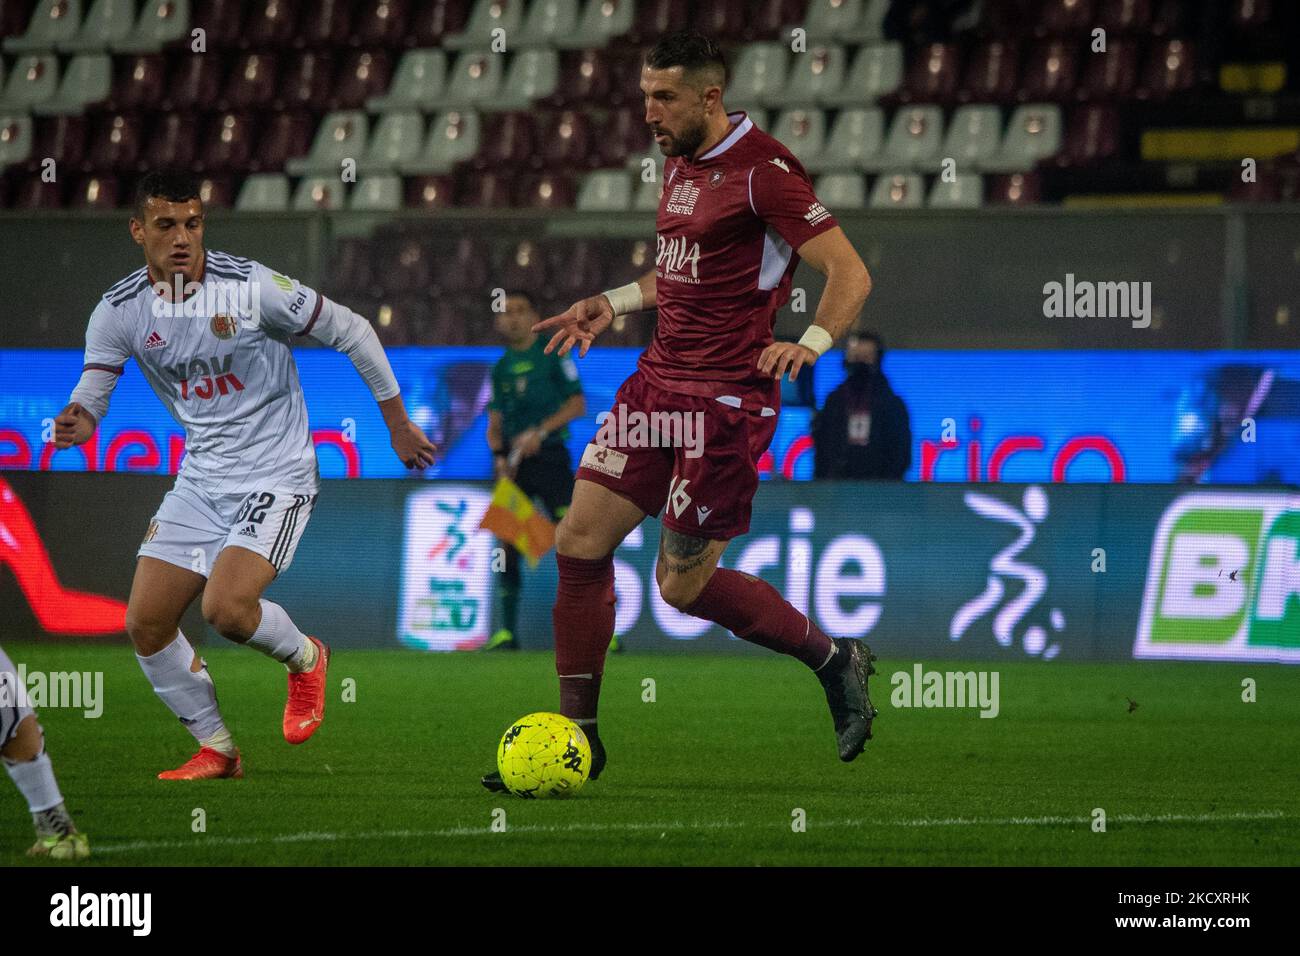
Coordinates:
(736, 216)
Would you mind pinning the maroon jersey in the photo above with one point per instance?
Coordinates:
(728, 228)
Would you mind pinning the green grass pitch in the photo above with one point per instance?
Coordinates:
(711, 772)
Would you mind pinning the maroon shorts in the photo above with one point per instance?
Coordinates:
(699, 456)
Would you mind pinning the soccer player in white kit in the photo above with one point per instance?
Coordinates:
(22, 751)
(218, 355)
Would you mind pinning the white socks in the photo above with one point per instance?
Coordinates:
(189, 694)
(35, 781)
(277, 636)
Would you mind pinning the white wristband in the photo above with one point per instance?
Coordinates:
(817, 339)
(626, 298)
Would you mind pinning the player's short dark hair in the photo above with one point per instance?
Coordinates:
(692, 51)
(523, 294)
(870, 335)
(170, 184)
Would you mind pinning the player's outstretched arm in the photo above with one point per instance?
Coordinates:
(411, 445)
(847, 286)
(73, 426)
(581, 322)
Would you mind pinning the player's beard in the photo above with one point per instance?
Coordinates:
(687, 141)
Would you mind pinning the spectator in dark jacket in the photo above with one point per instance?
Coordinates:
(863, 430)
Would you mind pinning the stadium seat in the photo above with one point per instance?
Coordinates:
(217, 192)
(117, 142)
(16, 138)
(841, 190)
(759, 71)
(566, 140)
(87, 79)
(396, 139)
(600, 22)
(194, 82)
(964, 191)
(815, 77)
(855, 140)
(933, 75)
(523, 266)
(1032, 135)
(99, 191)
(161, 23)
(509, 141)
(915, 135)
(870, 26)
(606, 190)
(991, 73)
(829, 20)
(1111, 75)
(252, 82)
(52, 22)
(36, 194)
(376, 194)
(172, 142)
(486, 16)
(974, 134)
(1125, 16)
(364, 75)
(897, 191)
(430, 192)
(381, 23)
(1050, 71)
(341, 135)
(453, 138)
(264, 193)
(474, 81)
(772, 20)
(1065, 18)
(419, 82)
(1015, 189)
(463, 264)
(107, 22)
(584, 80)
(803, 132)
(625, 139)
(33, 79)
(654, 18)
(326, 24)
(286, 136)
(1171, 18)
(533, 75)
(228, 145)
(221, 21)
(141, 82)
(1091, 136)
(318, 193)
(877, 72)
(435, 19)
(270, 25)
(546, 22)
(60, 138)
(305, 85)
(485, 189)
(724, 20)
(1168, 70)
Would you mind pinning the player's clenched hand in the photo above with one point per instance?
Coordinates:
(73, 426)
(411, 445)
(579, 325)
(779, 356)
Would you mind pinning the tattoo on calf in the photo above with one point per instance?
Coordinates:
(681, 553)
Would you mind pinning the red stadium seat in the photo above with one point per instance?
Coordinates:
(1063, 18)
(1005, 20)
(1252, 16)
(1173, 18)
(194, 82)
(99, 191)
(410, 264)
(434, 19)
(172, 143)
(523, 265)
(61, 138)
(270, 24)
(654, 18)
(364, 74)
(566, 140)
(625, 134)
(508, 140)
(307, 82)
(217, 192)
(430, 192)
(487, 189)
(1015, 189)
(287, 136)
(1125, 16)
(1050, 71)
(116, 144)
(381, 23)
(228, 143)
(545, 191)
(35, 194)
(991, 73)
(14, 17)
(770, 19)
(1113, 74)
(1169, 69)
(724, 20)
(1091, 136)
(463, 265)
(221, 22)
(324, 24)
(140, 83)
(252, 81)
(933, 74)
(584, 79)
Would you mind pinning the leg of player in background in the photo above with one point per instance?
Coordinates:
(503, 639)
(234, 606)
(160, 594)
(691, 581)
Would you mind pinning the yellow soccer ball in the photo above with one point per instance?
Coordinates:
(544, 755)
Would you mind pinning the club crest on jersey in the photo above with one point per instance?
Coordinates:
(779, 164)
(716, 177)
(224, 326)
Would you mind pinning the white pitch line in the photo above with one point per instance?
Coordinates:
(450, 832)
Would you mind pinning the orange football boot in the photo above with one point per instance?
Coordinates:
(207, 764)
(305, 708)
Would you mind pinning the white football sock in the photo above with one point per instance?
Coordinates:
(35, 781)
(277, 636)
(190, 695)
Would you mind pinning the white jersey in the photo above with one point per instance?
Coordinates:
(222, 363)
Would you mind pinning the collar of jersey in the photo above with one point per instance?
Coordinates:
(741, 125)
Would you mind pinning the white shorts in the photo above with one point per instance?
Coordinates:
(11, 712)
(191, 527)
